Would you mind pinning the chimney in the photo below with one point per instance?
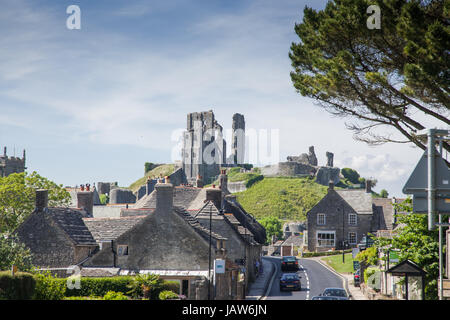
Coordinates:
(41, 199)
(86, 201)
(215, 195)
(199, 181)
(330, 185)
(223, 180)
(150, 186)
(368, 186)
(164, 196)
(4, 152)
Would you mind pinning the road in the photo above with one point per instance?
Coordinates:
(314, 279)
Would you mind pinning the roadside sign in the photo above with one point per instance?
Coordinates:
(417, 185)
(356, 265)
(219, 266)
(355, 251)
(393, 257)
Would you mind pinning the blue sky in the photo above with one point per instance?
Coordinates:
(94, 104)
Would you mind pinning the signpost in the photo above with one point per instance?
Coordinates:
(429, 184)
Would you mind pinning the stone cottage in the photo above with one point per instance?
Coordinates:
(57, 237)
(346, 215)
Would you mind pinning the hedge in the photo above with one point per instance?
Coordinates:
(101, 286)
(21, 286)
(326, 253)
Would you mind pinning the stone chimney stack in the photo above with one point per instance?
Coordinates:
(223, 180)
(368, 186)
(164, 196)
(4, 152)
(215, 195)
(150, 186)
(199, 181)
(330, 185)
(86, 201)
(41, 199)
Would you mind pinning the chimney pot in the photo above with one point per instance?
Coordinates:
(41, 199)
(330, 185)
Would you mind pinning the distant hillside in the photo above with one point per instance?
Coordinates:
(164, 170)
(284, 197)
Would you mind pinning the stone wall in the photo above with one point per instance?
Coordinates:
(119, 195)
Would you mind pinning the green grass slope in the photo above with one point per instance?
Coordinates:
(283, 197)
(164, 170)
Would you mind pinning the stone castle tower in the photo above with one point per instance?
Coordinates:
(204, 146)
(9, 165)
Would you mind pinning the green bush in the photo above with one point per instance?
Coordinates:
(21, 286)
(100, 286)
(167, 295)
(147, 286)
(171, 286)
(111, 295)
(326, 253)
(49, 287)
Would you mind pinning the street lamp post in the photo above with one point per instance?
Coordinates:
(343, 235)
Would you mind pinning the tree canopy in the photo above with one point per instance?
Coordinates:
(18, 195)
(377, 77)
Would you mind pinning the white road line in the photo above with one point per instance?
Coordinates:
(307, 282)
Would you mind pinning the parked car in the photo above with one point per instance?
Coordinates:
(366, 242)
(324, 298)
(339, 293)
(290, 281)
(289, 263)
(357, 278)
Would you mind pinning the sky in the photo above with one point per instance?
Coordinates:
(96, 103)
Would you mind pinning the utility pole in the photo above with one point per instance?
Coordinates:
(343, 235)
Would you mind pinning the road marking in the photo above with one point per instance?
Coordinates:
(307, 282)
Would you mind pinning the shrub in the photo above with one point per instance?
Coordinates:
(49, 287)
(171, 286)
(167, 295)
(111, 295)
(21, 286)
(100, 286)
(147, 286)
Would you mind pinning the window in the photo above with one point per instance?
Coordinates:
(325, 239)
(352, 219)
(352, 237)
(321, 219)
(122, 250)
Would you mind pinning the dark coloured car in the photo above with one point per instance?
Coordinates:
(324, 298)
(357, 278)
(289, 263)
(290, 281)
(339, 293)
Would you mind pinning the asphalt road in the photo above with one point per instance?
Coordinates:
(314, 279)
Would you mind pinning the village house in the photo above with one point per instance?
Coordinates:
(343, 217)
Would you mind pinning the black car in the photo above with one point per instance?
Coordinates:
(357, 278)
(339, 293)
(290, 281)
(289, 263)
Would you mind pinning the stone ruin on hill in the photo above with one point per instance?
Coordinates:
(305, 165)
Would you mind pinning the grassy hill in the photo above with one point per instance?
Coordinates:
(164, 170)
(283, 197)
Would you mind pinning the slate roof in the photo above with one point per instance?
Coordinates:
(71, 221)
(293, 240)
(106, 229)
(384, 211)
(359, 200)
(189, 197)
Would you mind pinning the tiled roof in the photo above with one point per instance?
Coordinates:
(196, 225)
(71, 221)
(189, 197)
(293, 240)
(385, 211)
(359, 200)
(104, 229)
